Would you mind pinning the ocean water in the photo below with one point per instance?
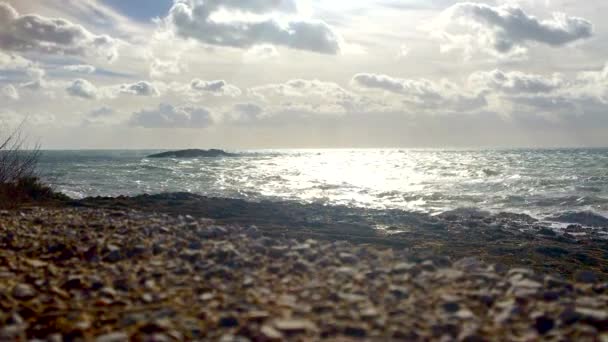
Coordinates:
(532, 181)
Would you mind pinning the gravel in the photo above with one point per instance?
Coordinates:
(106, 275)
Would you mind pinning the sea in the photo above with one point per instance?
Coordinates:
(537, 182)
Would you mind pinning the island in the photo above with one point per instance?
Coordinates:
(193, 153)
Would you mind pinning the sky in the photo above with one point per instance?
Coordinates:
(239, 74)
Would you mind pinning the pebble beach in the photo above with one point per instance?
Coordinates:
(82, 274)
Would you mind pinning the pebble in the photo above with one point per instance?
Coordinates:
(113, 337)
(268, 332)
(544, 324)
(586, 277)
(226, 284)
(24, 291)
(294, 325)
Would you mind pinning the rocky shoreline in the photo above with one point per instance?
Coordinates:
(514, 240)
(117, 275)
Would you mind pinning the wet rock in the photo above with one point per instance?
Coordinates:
(586, 218)
(552, 251)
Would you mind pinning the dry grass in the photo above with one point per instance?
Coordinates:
(19, 182)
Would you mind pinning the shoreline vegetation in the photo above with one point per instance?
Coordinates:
(178, 266)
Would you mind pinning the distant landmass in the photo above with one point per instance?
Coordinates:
(193, 153)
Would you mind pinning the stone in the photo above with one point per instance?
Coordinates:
(594, 316)
(24, 291)
(355, 331)
(586, 277)
(270, 333)
(113, 337)
(347, 258)
(544, 324)
(228, 322)
(295, 325)
(114, 254)
(451, 307)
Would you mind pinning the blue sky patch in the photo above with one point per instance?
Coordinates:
(141, 10)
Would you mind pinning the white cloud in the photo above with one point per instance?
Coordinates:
(80, 68)
(162, 67)
(307, 95)
(505, 30)
(141, 88)
(11, 61)
(422, 93)
(256, 24)
(260, 53)
(404, 51)
(33, 32)
(83, 89)
(87, 90)
(245, 113)
(9, 92)
(168, 116)
(216, 88)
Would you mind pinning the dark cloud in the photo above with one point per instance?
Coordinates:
(32, 32)
(515, 82)
(102, 112)
(192, 19)
(506, 29)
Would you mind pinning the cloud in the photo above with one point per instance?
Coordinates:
(260, 53)
(161, 68)
(22, 66)
(86, 90)
(80, 68)
(516, 82)
(404, 51)
(83, 89)
(245, 112)
(102, 112)
(422, 93)
(141, 88)
(217, 88)
(9, 92)
(195, 19)
(32, 32)
(10, 61)
(505, 30)
(168, 116)
(307, 95)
